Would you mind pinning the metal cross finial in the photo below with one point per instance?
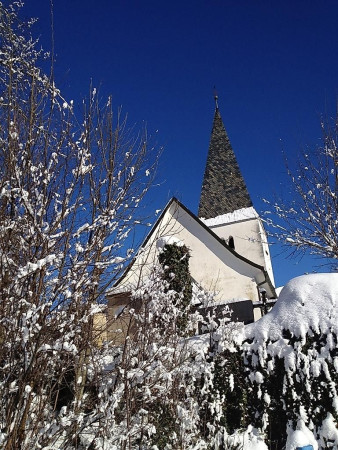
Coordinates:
(216, 97)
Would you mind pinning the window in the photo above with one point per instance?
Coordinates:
(231, 242)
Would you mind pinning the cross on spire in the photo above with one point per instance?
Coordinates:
(216, 97)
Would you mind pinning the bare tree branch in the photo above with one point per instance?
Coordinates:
(308, 222)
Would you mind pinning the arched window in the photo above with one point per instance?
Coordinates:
(231, 242)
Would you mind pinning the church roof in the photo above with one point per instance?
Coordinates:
(223, 189)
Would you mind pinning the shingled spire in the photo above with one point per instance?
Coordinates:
(223, 188)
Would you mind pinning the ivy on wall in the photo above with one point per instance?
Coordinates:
(174, 260)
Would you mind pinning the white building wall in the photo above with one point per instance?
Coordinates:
(250, 241)
(211, 265)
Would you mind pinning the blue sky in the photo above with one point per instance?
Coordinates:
(274, 64)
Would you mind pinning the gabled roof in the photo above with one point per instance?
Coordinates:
(266, 283)
(223, 189)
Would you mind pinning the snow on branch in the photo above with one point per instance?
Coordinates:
(308, 221)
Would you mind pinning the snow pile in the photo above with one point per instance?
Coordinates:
(328, 431)
(250, 439)
(235, 216)
(291, 355)
(306, 302)
(167, 240)
(301, 437)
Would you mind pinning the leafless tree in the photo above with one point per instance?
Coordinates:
(308, 220)
(70, 193)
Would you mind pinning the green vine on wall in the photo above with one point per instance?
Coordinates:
(174, 260)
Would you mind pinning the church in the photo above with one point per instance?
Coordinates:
(229, 252)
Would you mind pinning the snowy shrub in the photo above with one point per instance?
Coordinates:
(291, 356)
(218, 381)
(167, 379)
(156, 408)
(223, 404)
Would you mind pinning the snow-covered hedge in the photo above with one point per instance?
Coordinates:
(291, 356)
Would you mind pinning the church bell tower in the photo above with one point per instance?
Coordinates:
(223, 189)
(225, 204)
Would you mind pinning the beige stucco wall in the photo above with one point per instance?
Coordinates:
(211, 265)
(100, 328)
(250, 241)
(215, 269)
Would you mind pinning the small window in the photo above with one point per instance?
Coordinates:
(231, 242)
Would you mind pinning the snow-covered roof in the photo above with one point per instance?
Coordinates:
(308, 301)
(236, 216)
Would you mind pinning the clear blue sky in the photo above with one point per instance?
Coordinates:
(274, 64)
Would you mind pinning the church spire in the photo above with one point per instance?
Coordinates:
(223, 189)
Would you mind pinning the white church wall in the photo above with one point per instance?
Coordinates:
(148, 254)
(215, 268)
(249, 239)
(266, 252)
(211, 265)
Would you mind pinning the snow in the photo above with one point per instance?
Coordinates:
(227, 301)
(278, 290)
(235, 216)
(250, 439)
(33, 267)
(307, 307)
(301, 437)
(308, 301)
(329, 430)
(168, 240)
(199, 343)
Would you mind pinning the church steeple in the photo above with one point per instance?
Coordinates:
(223, 189)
